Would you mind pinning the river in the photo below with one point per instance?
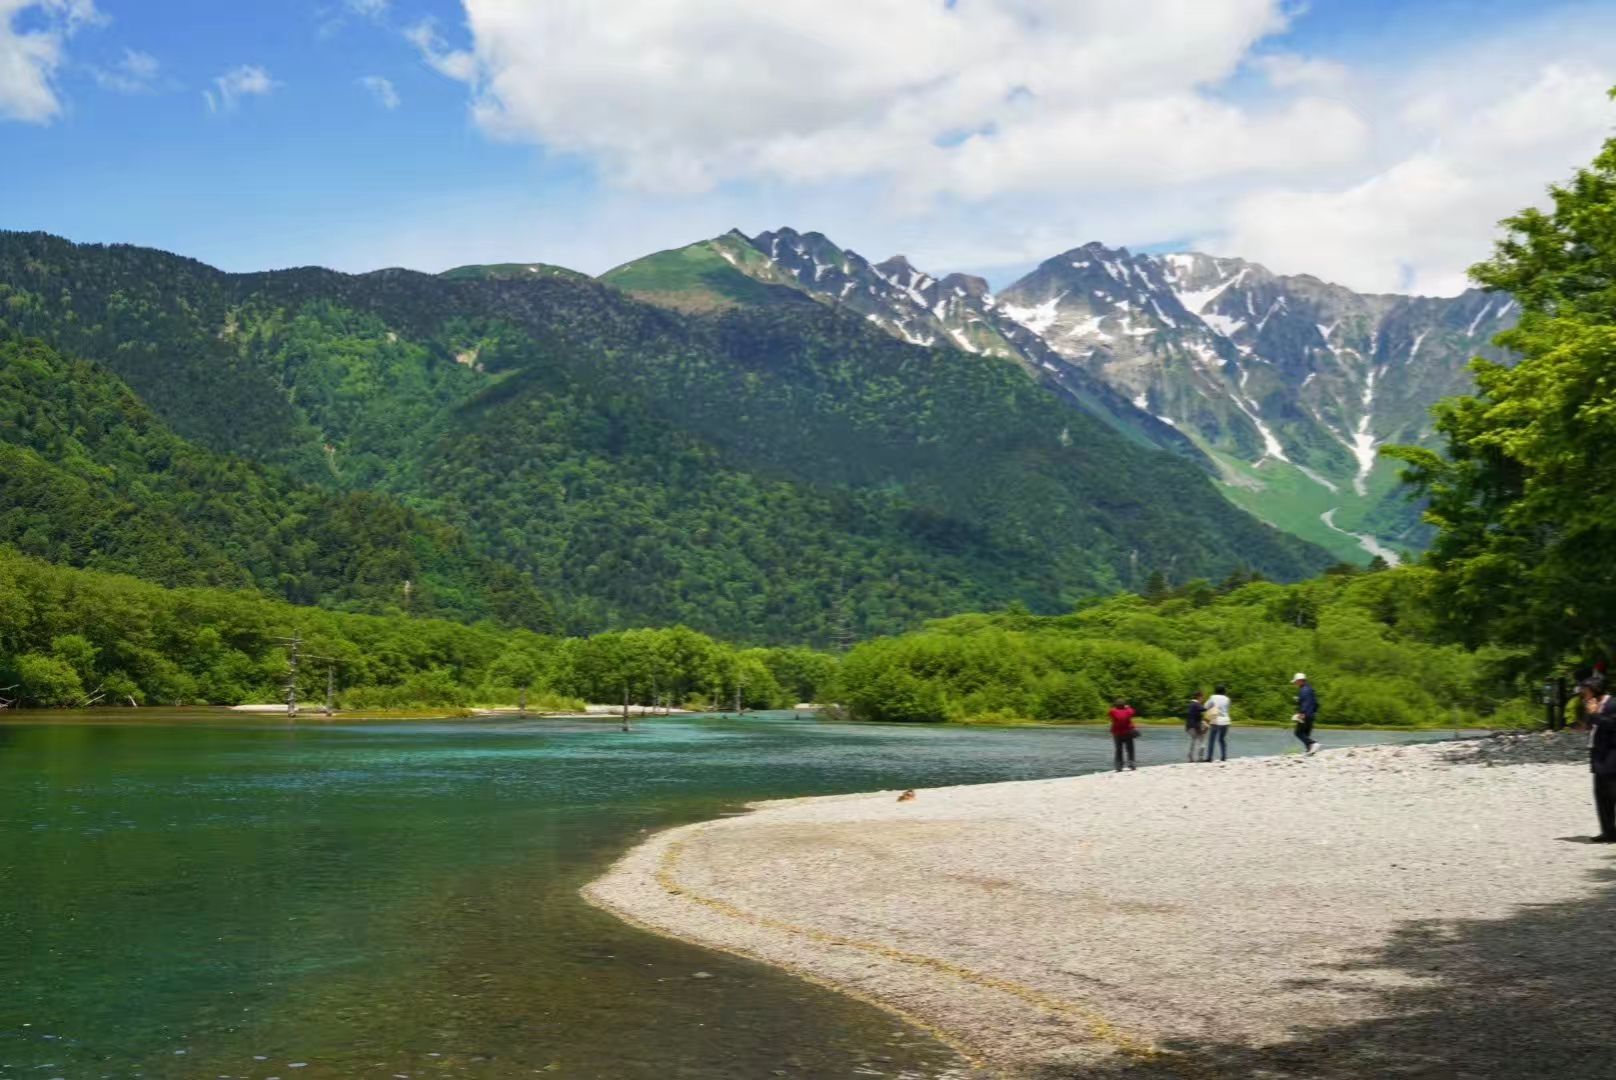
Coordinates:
(202, 895)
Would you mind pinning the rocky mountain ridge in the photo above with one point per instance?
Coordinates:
(1286, 384)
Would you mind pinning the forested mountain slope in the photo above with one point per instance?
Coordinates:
(775, 472)
(786, 268)
(1283, 386)
(90, 478)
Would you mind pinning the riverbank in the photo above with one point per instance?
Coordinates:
(1412, 910)
(1169, 726)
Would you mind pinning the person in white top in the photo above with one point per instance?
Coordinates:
(1217, 717)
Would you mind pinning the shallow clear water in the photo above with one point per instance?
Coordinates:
(212, 896)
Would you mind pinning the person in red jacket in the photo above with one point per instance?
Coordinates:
(1122, 730)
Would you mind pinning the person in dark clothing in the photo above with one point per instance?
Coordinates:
(1307, 710)
(1195, 726)
(1123, 732)
(1600, 710)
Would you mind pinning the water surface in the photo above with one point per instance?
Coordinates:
(207, 896)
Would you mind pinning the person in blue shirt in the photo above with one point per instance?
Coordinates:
(1307, 710)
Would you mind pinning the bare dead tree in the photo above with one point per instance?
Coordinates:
(294, 653)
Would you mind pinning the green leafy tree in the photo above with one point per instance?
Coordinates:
(47, 681)
(1524, 497)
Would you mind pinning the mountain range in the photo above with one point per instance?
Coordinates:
(525, 444)
(1282, 387)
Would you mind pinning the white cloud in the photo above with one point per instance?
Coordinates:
(689, 94)
(1003, 131)
(1287, 70)
(1417, 223)
(457, 64)
(30, 58)
(248, 80)
(136, 73)
(372, 9)
(383, 90)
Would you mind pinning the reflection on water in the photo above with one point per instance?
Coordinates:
(208, 895)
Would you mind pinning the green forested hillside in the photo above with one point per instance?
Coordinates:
(773, 474)
(89, 477)
(1368, 641)
(70, 637)
(709, 275)
(514, 271)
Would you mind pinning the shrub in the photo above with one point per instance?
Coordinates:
(432, 688)
(1150, 678)
(1071, 699)
(1376, 702)
(47, 681)
(1257, 675)
(893, 694)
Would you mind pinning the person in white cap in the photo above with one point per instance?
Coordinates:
(1307, 710)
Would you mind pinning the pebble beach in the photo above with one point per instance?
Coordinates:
(1416, 910)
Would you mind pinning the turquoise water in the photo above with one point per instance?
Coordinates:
(206, 896)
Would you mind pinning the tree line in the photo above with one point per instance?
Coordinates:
(73, 637)
(1368, 639)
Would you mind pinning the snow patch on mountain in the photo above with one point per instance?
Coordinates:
(1037, 319)
(1271, 445)
(1196, 300)
(1328, 485)
(1418, 341)
(1363, 440)
(1223, 324)
(1365, 541)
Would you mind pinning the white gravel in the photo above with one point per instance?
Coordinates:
(1354, 913)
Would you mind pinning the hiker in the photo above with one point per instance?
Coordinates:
(1195, 726)
(1217, 721)
(1600, 709)
(1123, 731)
(1307, 709)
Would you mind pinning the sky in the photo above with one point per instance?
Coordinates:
(1375, 143)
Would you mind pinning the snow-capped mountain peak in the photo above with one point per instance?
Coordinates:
(1288, 384)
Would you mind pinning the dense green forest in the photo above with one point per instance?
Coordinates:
(1368, 639)
(91, 478)
(69, 637)
(772, 474)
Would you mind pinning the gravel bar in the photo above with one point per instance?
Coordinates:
(1413, 911)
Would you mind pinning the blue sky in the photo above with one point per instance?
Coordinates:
(1342, 138)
